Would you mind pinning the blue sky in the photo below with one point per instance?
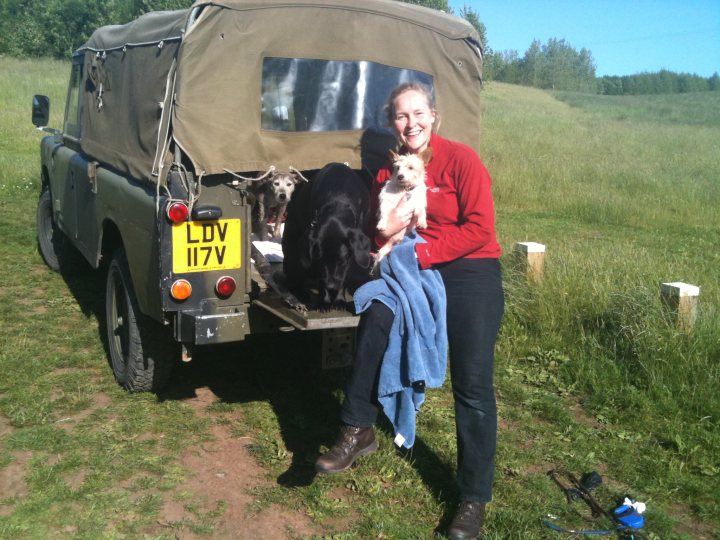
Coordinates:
(624, 36)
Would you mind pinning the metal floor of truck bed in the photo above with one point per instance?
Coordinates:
(274, 298)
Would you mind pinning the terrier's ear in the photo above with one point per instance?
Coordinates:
(426, 155)
(296, 179)
(393, 155)
(263, 181)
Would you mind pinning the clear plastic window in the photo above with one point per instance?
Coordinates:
(301, 94)
(72, 117)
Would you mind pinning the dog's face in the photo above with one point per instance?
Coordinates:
(333, 248)
(280, 187)
(409, 169)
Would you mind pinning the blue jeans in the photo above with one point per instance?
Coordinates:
(475, 305)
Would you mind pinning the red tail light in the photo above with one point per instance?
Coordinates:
(225, 286)
(177, 212)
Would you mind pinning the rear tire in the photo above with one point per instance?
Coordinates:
(141, 351)
(55, 248)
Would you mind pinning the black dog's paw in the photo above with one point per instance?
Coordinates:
(336, 305)
(300, 307)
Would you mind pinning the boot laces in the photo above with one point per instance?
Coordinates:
(347, 439)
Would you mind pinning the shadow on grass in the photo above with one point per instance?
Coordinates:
(436, 474)
(283, 369)
(88, 288)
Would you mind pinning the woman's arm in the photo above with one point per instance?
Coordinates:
(475, 226)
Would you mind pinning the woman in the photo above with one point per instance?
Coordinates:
(461, 245)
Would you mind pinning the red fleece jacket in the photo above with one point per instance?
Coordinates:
(460, 210)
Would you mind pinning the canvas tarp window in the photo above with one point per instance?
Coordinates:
(299, 94)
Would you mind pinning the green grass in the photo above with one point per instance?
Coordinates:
(693, 109)
(592, 374)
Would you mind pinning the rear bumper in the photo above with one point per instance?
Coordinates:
(268, 313)
(222, 327)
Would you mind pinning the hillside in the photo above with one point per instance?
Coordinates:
(592, 372)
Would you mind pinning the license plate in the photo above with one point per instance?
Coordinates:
(206, 245)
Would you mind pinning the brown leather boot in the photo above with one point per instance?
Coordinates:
(467, 521)
(352, 443)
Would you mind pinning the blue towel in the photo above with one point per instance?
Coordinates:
(416, 355)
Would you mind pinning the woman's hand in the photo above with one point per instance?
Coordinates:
(399, 219)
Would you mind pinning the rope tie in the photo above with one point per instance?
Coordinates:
(293, 169)
(256, 179)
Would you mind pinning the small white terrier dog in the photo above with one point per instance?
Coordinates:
(407, 180)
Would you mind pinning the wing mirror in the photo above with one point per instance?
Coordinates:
(40, 111)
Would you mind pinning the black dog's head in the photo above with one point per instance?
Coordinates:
(331, 248)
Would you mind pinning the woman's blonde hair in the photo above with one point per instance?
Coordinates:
(405, 87)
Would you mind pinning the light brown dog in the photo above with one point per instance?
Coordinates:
(408, 181)
(272, 195)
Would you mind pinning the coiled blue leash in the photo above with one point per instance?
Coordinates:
(629, 531)
(627, 519)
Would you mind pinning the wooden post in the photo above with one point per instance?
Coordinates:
(531, 257)
(682, 300)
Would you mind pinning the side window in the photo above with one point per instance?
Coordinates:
(300, 94)
(72, 107)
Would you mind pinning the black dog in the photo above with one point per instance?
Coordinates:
(323, 242)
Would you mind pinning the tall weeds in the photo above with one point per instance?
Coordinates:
(622, 207)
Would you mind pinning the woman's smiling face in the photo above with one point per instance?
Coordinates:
(413, 120)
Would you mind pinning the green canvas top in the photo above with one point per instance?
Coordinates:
(246, 84)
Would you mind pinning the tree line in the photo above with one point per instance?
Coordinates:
(662, 82)
(556, 65)
(55, 28)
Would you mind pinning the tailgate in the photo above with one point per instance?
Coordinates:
(274, 298)
(305, 320)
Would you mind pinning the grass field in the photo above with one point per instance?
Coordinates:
(592, 373)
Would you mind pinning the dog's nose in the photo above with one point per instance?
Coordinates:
(282, 196)
(401, 177)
